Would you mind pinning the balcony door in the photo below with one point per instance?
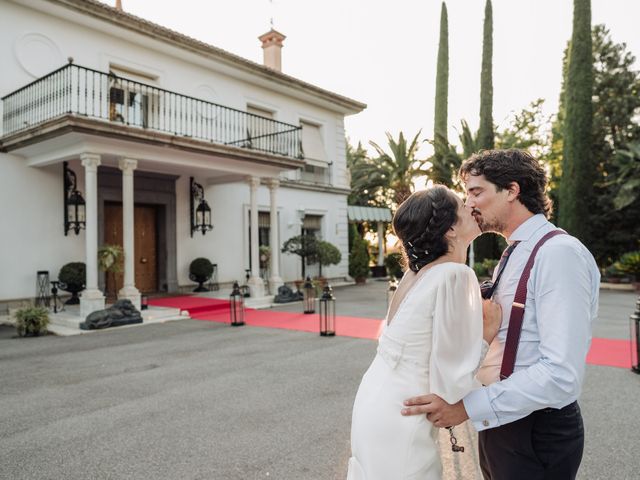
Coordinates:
(145, 245)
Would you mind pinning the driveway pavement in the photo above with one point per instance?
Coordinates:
(201, 400)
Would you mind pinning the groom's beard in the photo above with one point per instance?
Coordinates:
(486, 225)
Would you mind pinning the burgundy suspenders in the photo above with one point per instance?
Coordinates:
(517, 310)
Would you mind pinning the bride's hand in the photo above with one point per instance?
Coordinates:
(492, 318)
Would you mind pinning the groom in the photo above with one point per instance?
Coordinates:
(529, 424)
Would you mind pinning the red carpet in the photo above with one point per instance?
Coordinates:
(191, 303)
(605, 352)
(610, 353)
(345, 326)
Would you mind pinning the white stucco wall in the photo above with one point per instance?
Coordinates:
(228, 243)
(35, 41)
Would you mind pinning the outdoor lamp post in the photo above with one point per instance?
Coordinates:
(327, 313)
(635, 338)
(236, 300)
(74, 204)
(200, 215)
(309, 299)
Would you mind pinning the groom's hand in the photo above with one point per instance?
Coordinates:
(438, 412)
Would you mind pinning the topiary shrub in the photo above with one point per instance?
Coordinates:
(73, 277)
(359, 260)
(32, 321)
(200, 270)
(327, 254)
(393, 262)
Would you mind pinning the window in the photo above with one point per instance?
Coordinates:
(313, 145)
(260, 128)
(130, 100)
(264, 238)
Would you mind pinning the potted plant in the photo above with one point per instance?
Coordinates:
(359, 260)
(327, 254)
(629, 263)
(110, 258)
(73, 277)
(200, 270)
(612, 275)
(32, 321)
(393, 264)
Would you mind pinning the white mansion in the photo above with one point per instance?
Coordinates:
(142, 124)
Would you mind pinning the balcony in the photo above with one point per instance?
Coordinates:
(81, 92)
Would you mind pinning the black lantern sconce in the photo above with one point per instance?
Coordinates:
(74, 205)
(309, 298)
(327, 313)
(200, 210)
(236, 300)
(635, 338)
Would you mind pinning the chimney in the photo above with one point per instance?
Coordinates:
(272, 49)
(119, 5)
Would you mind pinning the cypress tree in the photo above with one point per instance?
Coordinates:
(578, 171)
(487, 246)
(440, 172)
(485, 132)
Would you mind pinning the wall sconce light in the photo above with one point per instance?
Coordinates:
(200, 214)
(74, 205)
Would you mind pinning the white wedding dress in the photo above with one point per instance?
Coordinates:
(433, 344)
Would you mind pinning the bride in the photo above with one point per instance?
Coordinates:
(433, 342)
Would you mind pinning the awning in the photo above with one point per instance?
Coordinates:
(368, 214)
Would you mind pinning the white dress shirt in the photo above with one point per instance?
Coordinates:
(561, 305)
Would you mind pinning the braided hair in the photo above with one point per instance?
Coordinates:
(421, 222)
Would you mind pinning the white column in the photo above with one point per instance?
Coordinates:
(274, 280)
(256, 285)
(92, 298)
(380, 244)
(128, 290)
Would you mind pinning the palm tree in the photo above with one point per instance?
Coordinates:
(392, 173)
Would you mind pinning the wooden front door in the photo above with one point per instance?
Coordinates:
(145, 246)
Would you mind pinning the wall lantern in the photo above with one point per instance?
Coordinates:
(236, 301)
(200, 210)
(74, 205)
(327, 313)
(309, 299)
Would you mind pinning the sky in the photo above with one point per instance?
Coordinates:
(383, 53)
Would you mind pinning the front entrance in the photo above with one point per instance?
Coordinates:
(145, 219)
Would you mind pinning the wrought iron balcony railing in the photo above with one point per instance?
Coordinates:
(82, 91)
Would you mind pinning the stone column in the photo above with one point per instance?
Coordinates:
(128, 290)
(380, 244)
(92, 298)
(274, 280)
(256, 285)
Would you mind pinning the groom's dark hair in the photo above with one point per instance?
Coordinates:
(501, 167)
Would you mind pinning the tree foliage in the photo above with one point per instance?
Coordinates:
(486, 139)
(578, 173)
(615, 128)
(441, 171)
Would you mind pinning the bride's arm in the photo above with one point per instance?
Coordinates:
(458, 347)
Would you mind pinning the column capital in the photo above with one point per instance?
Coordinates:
(254, 182)
(127, 165)
(273, 183)
(90, 160)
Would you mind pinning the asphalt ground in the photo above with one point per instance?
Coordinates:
(203, 400)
